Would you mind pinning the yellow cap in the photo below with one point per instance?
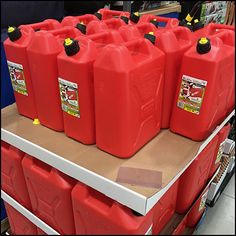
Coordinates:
(81, 22)
(68, 41)
(36, 121)
(136, 13)
(188, 18)
(203, 40)
(196, 21)
(10, 29)
(152, 33)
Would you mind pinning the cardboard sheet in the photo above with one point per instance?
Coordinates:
(166, 154)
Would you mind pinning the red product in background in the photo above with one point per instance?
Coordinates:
(212, 29)
(50, 194)
(222, 135)
(42, 53)
(128, 81)
(99, 26)
(195, 177)
(213, 72)
(79, 114)
(95, 213)
(162, 22)
(74, 20)
(108, 14)
(197, 210)
(19, 224)
(13, 181)
(164, 209)
(19, 66)
(130, 32)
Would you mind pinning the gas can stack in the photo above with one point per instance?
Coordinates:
(115, 81)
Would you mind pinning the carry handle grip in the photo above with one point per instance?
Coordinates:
(105, 37)
(114, 13)
(227, 37)
(214, 27)
(86, 18)
(146, 26)
(40, 25)
(140, 45)
(40, 166)
(182, 32)
(114, 20)
(68, 31)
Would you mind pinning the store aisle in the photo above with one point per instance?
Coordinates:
(221, 218)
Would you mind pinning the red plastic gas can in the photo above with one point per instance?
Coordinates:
(195, 177)
(42, 53)
(80, 22)
(77, 93)
(15, 48)
(105, 14)
(130, 32)
(197, 210)
(50, 194)
(174, 42)
(204, 84)
(163, 22)
(212, 29)
(164, 209)
(13, 181)
(221, 136)
(128, 82)
(74, 20)
(19, 224)
(95, 213)
(110, 24)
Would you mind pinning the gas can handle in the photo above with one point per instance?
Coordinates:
(115, 13)
(182, 32)
(95, 37)
(114, 20)
(142, 45)
(40, 25)
(67, 30)
(143, 25)
(85, 17)
(40, 166)
(215, 27)
(227, 37)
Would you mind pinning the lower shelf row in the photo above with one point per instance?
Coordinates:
(71, 207)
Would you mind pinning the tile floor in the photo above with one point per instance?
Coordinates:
(220, 220)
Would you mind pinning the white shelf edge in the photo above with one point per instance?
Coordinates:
(120, 193)
(34, 219)
(155, 198)
(108, 187)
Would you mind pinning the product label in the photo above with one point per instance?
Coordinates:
(69, 97)
(17, 77)
(220, 152)
(203, 201)
(191, 94)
